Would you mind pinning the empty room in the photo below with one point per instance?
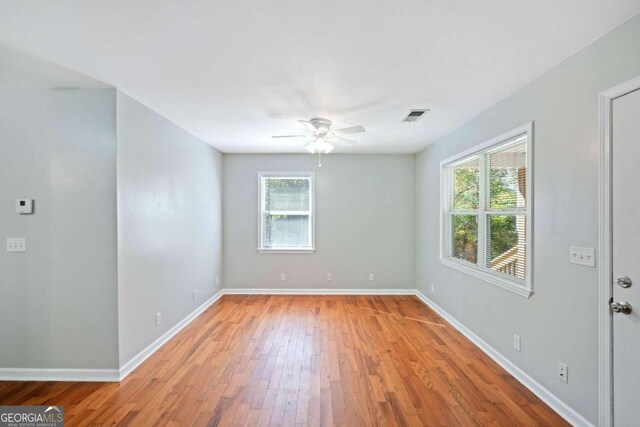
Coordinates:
(338, 213)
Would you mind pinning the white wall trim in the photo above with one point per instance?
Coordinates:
(104, 375)
(312, 211)
(139, 358)
(300, 291)
(564, 410)
(28, 374)
(605, 260)
(492, 278)
(523, 288)
(115, 375)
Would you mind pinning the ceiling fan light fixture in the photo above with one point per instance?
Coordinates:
(311, 147)
(319, 145)
(323, 136)
(328, 148)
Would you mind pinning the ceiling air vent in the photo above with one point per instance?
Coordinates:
(414, 115)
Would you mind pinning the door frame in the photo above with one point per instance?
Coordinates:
(605, 249)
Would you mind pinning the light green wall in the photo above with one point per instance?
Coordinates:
(365, 223)
(559, 322)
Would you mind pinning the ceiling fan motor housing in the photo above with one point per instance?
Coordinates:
(323, 125)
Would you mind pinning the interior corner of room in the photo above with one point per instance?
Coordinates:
(133, 226)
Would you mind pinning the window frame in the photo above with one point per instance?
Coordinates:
(479, 270)
(312, 214)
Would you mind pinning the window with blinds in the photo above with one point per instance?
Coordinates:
(486, 221)
(286, 212)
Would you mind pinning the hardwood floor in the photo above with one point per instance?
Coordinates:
(304, 360)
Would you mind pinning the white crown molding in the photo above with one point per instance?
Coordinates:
(564, 410)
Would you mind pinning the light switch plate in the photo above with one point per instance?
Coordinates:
(582, 256)
(16, 244)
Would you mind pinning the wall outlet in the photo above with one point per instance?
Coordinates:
(563, 372)
(372, 276)
(195, 295)
(516, 342)
(329, 277)
(158, 318)
(283, 276)
(582, 256)
(16, 244)
(217, 280)
(433, 288)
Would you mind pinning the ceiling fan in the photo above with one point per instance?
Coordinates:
(323, 137)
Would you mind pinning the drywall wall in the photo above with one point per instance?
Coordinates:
(169, 224)
(559, 322)
(365, 223)
(58, 300)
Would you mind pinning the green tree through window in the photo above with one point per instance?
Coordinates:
(488, 199)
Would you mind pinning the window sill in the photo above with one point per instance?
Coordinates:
(503, 283)
(286, 251)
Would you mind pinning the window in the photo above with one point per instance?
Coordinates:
(486, 211)
(286, 212)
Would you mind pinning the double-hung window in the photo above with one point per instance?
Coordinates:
(486, 199)
(286, 212)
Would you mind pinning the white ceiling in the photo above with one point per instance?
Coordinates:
(236, 72)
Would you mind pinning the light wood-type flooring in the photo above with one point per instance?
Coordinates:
(304, 360)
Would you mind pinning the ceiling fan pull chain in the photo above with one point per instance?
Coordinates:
(319, 159)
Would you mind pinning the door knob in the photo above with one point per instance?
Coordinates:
(621, 307)
(623, 281)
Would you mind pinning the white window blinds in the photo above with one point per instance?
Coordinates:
(506, 223)
(486, 214)
(286, 214)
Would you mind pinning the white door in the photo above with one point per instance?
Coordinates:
(626, 260)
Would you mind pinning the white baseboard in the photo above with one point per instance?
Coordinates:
(107, 375)
(103, 375)
(564, 410)
(139, 358)
(301, 291)
(28, 374)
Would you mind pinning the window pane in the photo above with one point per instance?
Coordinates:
(464, 237)
(288, 231)
(506, 244)
(465, 185)
(286, 194)
(508, 177)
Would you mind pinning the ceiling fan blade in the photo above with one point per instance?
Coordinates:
(338, 139)
(353, 129)
(308, 125)
(289, 136)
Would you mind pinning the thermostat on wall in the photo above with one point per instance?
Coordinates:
(24, 206)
